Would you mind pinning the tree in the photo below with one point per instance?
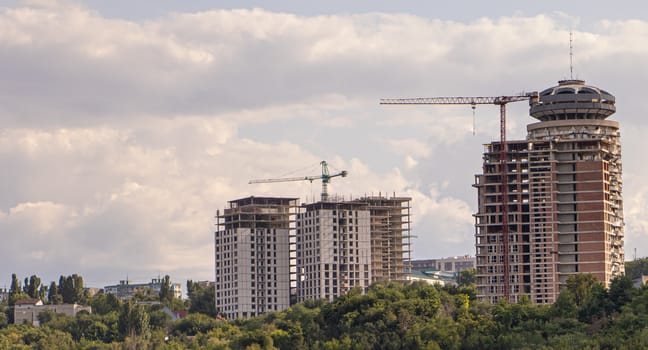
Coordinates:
(581, 287)
(79, 290)
(4, 321)
(46, 316)
(133, 320)
(53, 296)
(104, 303)
(621, 292)
(466, 277)
(32, 286)
(42, 292)
(194, 324)
(166, 295)
(15, 292)
(71, 289)
(202, 299)
(636, 268)
(15, 284)
(158, 319)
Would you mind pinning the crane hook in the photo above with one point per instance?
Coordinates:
(473, 106)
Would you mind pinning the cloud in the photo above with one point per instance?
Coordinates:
(412, 147)
(120, 139)
(410, 162)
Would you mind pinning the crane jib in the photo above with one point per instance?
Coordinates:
(478, 100)
(496, 100)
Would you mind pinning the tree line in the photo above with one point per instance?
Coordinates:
(386, 316)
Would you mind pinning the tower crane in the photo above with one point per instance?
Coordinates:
(500, 101)
(325, 177)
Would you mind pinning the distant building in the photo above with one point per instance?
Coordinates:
(126, 290)
(205, 284)
(4, 294)
(454, 264)
(434, 277)
(252, 256)
(422, 265)
(92, 291)
(27, 310)
(175, 314)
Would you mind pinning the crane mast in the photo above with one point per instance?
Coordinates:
(325, 177)
(501, 101)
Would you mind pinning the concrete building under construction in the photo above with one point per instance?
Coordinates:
(333, 249)
(564, 208)
(390, 237)
(253, 256)
(269, 249)
(347, 244)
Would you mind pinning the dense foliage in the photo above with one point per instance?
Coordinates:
(387, 316)
(636, 268)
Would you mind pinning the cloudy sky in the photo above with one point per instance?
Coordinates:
(124, 127)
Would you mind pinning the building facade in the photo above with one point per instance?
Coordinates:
(390, 237)
(270, 252)
(347, 244)
(564, 212)
(253, 256)
(27, 310)
(126, 289)
(455, 264)
(423, 265)
(333, 249)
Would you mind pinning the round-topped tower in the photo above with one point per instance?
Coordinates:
(572, 99)
(572, 108)
(582, 151)
(564, 205)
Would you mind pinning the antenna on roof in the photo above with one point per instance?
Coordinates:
(571, 56)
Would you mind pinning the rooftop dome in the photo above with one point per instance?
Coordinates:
(572, 99)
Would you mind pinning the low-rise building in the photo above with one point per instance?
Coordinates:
(126, 290)
(434, 277)
(455, 263)
(422, 265)
(27, 310)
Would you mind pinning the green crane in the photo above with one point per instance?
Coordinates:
(325, 177)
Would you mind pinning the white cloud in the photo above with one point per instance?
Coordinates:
(121, 139)
(412, 147)
(410, 162)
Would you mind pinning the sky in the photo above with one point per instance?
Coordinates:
(125, 126)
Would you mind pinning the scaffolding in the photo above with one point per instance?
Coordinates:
(390, 237)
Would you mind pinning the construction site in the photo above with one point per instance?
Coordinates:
(548, 207)
(563, 206)
(271, 251)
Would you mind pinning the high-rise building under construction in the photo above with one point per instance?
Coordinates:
(269, 249)
(252, 251)
(347, 244)
(564, 210)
